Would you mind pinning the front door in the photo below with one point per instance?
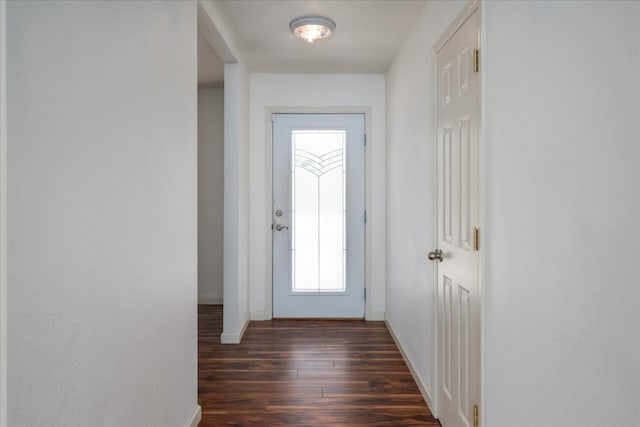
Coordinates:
(318, 215)
(458, 206)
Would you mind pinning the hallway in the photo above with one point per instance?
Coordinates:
(316, 373)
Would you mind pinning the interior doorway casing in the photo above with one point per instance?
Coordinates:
(269, 112)
(470, 8)
(3, 213)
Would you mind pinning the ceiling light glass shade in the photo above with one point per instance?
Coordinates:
(311, 28)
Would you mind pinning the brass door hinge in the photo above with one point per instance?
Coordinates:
(475, 415)
(476, 239)
(476, 60)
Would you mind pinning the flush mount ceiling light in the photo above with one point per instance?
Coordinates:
(311, 28)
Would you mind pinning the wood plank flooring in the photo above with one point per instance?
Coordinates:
(305, 373)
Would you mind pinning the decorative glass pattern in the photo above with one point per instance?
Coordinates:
(318, 245)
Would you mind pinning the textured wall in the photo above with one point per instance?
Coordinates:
(210, 195)
(563, 203)
(102, 213)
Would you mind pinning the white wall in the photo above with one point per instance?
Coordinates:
(563, 205)
(236, 202)
(282, 92)
(210, 195)
(102, 213)
(410, 301)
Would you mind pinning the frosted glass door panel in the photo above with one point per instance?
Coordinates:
(318, 210)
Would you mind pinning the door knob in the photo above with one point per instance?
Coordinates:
(281, 227)
(436, 255)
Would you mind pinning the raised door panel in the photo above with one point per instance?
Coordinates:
(464, 142)
(463, 334)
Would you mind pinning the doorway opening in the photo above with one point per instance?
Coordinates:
(210, 173)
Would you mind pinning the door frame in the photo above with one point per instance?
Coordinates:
(366, 111)
(3, 214)
(456, 23)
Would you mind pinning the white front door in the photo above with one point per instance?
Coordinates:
(318, 215)
(458, 206)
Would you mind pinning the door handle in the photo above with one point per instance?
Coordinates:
(436, 255)
(281, 227)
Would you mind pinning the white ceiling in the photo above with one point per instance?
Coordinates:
(367, 37)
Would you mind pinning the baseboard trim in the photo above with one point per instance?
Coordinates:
(195, 419)
(423, 390)
(210, 301)
(375, 316)
(226, 338)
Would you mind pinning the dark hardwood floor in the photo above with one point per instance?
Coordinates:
(305, 373)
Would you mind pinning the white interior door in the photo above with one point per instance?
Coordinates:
(318, 215)
(457, 218)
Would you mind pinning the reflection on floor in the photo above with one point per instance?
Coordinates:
(305, 373)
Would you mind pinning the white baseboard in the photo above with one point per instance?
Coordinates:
(227, 338)
(423, 389)
(262, 315)
(210, 300)
(375, 316)
(194, 420)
